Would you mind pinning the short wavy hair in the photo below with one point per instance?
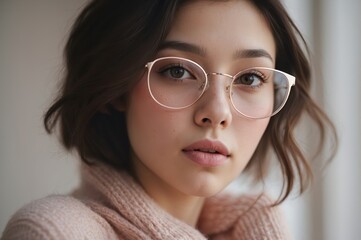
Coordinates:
(108, 47)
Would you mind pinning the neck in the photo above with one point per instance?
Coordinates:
(186, 208)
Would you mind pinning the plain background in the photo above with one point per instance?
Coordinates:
(33, 165)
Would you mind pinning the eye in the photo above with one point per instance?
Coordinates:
(176, 72)
(252, 78)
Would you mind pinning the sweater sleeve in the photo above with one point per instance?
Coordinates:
(57, 217)
(241, 218)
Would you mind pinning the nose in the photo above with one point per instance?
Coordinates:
(214, 108)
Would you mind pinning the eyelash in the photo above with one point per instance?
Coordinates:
(262, 78)
(175, 65)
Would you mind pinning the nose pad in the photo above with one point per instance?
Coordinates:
(214, 108)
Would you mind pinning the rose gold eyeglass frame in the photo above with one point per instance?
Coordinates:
(291, 82)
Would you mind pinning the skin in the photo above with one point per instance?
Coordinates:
(159, 135)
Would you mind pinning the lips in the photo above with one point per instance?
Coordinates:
(207, 153)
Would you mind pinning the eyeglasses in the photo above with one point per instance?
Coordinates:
(257, 92)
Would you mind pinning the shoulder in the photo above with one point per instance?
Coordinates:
(244, 217)
(56, 217)
(239, 203)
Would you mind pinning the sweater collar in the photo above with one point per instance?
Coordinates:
(117, 197)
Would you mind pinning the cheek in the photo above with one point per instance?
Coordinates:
(150, 126)
(257, 129)
(249, 135)
(141, 115)
(140, 104)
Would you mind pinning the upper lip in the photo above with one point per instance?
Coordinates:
(208, 146)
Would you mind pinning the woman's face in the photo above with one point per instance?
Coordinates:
(199, 150)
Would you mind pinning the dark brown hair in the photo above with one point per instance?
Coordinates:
(105, 55)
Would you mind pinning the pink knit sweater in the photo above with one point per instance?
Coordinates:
(111, 205)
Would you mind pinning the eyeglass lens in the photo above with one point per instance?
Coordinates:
(178, 83)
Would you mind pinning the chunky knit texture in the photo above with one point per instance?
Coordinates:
(111, 205)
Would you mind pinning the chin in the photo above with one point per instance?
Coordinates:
(206, 193)
(206, 190)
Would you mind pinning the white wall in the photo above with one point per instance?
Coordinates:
(32, 165)
(341, 38)
(332, 208)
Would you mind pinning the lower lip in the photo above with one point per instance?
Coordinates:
(206, 159)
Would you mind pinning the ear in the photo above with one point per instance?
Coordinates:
(117, 105)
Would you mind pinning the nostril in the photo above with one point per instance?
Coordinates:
(205, 120)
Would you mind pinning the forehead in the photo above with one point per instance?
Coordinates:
(222, 27)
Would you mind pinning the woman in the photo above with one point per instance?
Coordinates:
(166, 103)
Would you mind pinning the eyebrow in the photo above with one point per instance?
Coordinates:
(184, 47)
(252, 53)
(191, 48)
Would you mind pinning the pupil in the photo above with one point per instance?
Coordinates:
(248, 79)
(177, 72)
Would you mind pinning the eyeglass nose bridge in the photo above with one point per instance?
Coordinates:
(219, 74)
